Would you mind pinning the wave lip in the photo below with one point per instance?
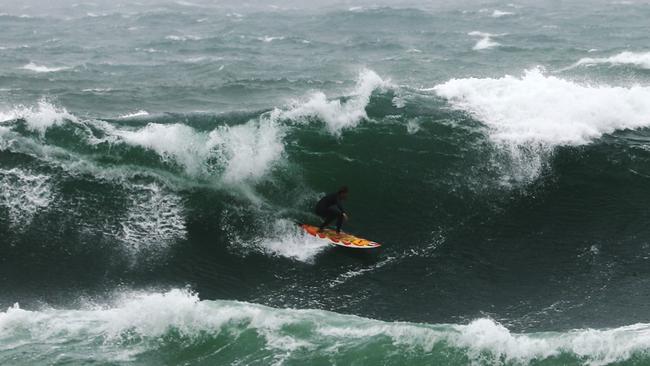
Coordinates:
(638, 59)
(42, 69)
(547, 109)
(337, 114)
(40, 117)
(239, 153)
(138, 324)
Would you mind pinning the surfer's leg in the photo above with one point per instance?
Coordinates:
(339, 222)
(326, 221)
(331, 214)
(336, 214)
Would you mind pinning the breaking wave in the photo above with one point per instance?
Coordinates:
(155, 326)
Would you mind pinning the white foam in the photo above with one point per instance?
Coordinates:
(149, 50)
(289, 241)
(548, 109)
(142, 318)
(337, 114)
(24, 194)
(97, 90)
(640, 59)
(197, 59)
(599, 347)
(40, 117)
(149, 315)
(413, 126)
(173, 142)
(486, 41)
(240, 153)
(269, 39)
(183, 38)
(500, 13)
(154, 221)
(140, 113)
(248, 151)
(344, 277)
(42, 69)
(488, 342)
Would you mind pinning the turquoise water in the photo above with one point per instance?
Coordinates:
(154, 156)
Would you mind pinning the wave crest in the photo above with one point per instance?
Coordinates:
(139, 323)
(338, 114)
(638, 59)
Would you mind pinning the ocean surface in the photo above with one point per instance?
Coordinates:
(154, 156)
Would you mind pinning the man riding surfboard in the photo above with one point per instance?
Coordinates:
(330, 208)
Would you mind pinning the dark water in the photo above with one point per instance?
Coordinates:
(154, 156)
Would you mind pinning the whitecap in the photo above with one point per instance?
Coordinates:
(42, 69)
(140, 113)
(500, 13)
(41, 117)
(486, 41)
(528, 116)
(338, 115)
(639, 59)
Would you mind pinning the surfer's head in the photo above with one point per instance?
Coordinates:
(343, 192)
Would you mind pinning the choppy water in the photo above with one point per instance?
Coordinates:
(154, 155)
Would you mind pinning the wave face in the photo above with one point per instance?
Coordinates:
(155, 155)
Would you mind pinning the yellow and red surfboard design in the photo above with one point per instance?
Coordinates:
(342, 239)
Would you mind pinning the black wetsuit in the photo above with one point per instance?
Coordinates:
(330, 209)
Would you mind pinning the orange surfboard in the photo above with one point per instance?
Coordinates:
(342, 239)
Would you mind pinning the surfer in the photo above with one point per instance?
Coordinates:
(330, 208)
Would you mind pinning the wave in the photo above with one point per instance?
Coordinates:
(638, 59)
(42, 69)
(486, 41)
(152, 326)
(239, 153)
(528, 116)
(40, 117)
(547, 109)
(338, 114)
(236, 153)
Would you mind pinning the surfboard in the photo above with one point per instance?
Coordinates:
(342, 239)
